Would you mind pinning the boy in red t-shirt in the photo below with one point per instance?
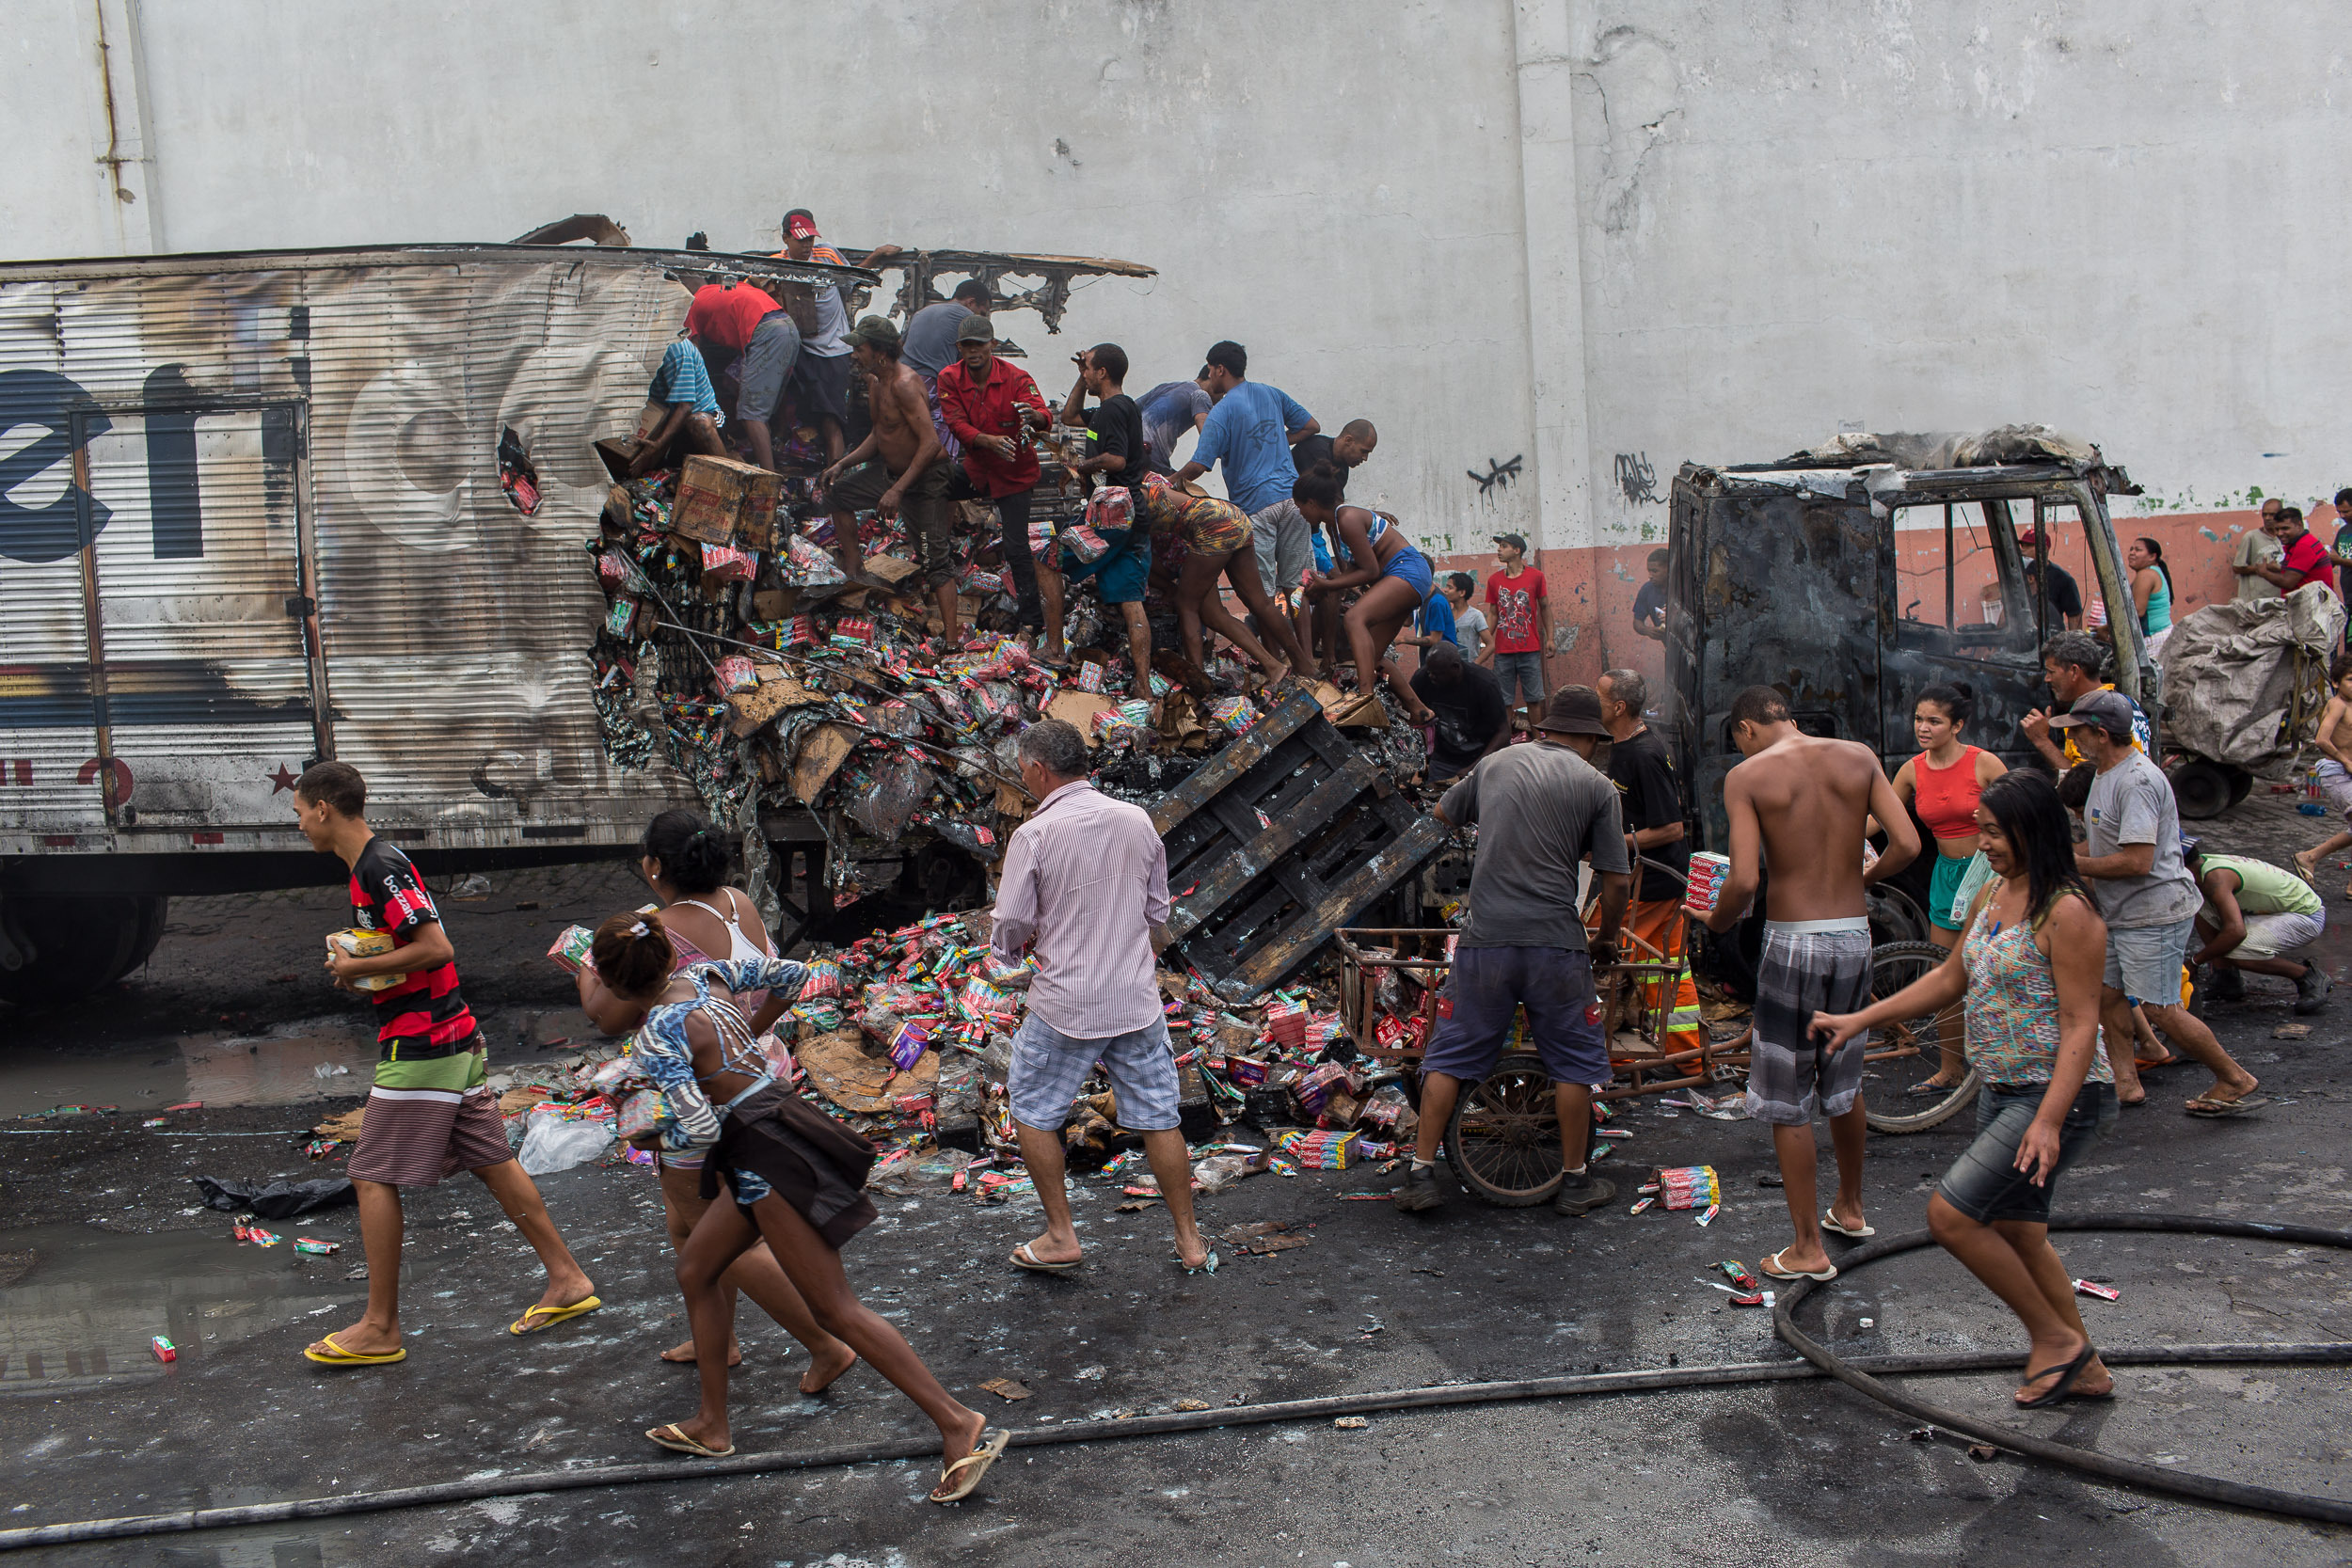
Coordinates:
(429, 1113)
(1522, 626)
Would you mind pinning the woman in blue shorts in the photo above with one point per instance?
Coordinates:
(1395, 578)
(2029, 964)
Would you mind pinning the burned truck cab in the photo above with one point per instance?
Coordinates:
(1850, 579)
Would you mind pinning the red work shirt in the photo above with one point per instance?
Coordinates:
(726, 315)
(2308, 556)
(990, 408)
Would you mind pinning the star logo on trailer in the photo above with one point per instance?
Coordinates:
(285, 778)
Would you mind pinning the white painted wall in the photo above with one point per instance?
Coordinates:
(1562, 229)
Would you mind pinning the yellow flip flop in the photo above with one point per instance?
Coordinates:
(548, 1316)
(953, 1487)
(341, 1357)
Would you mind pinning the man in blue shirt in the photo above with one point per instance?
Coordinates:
(1171, 411)
(1250, 432)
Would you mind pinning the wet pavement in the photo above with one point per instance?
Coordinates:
(105, 1247)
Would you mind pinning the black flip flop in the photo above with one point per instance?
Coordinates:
(2065, 1384)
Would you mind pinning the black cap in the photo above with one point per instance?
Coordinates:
(1514, 541)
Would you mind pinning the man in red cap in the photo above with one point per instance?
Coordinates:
(820, 381)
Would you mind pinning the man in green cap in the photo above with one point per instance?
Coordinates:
(912, 471)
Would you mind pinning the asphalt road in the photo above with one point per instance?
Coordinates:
(102, 1252)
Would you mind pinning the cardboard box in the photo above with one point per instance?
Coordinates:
(721, 501)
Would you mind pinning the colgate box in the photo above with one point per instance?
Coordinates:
(1708, 871)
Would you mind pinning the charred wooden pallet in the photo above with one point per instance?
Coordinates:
(1286, 836)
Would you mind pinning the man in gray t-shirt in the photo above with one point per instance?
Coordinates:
(2132, 857)
(1541, 810)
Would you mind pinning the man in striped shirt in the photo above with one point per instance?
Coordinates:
(430, 1113)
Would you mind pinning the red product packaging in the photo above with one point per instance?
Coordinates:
(164, 1350)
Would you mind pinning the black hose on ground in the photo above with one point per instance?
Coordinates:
(2153, 1478)
(447, 1494)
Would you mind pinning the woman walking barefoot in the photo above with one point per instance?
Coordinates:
(1942, 783)
(2030, 967)
(797, 1178)
(688, 864)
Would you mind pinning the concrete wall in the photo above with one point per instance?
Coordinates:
(1595, 236)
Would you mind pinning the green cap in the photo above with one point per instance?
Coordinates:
(975, 329)
(875, 332)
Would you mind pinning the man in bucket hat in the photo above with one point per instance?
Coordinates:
(1542, 809)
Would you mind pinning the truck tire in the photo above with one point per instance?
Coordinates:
(2201, 789)
(74, 947)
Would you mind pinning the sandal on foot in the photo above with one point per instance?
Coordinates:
(676, 1441)
(1207, 1265)
(1772, 1266)
(1925, 1087)
(337, 1357)
(2200, 1106)
(2065, 1372)
(536, 1318)
(1024, 1258)
(975, 1464)
(1829, 1222)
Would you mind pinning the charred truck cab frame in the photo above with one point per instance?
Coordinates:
(1850, 589)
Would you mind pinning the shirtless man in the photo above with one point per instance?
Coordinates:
(913, 469)
(1793, 795)
(2335, 769)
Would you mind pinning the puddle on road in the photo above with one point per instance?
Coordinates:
(274, 1068)
(82, 1318)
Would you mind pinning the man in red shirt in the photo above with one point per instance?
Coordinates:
(2306, 561)
(740, 324)
(1522, 625)
(429, 1113)
(991, 406)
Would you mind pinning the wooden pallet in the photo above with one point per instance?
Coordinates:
(1286, 836)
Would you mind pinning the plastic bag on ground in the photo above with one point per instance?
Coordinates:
(551, 1144)
(277, 1200)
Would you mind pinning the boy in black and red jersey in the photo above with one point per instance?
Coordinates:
(430, 1113)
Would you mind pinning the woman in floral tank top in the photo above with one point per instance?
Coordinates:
(2029, 968)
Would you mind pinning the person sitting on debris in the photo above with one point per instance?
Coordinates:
(689, 863)
(2256, 917)
(1122, 572)
(2070, 663)
(798, 1177)
(2028, 967)
(993, 407)
(428, 1115)
(1799, 803)
(739, 327)
(1172, 410)
(1250, 432)
(688, 413)
(2334, 740)
(1394, 575)
(1085, 890)
(1197, 540)
(1469, 718)
(2131, 856)
(898, 465)
(1346, 452)
(1542, 809)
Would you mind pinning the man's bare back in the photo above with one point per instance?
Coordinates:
(901, 411)
(1801, 802)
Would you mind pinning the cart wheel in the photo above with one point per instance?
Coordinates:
(2201, 788)
(1894, 966)
(1504, 1136)
(2241, 784)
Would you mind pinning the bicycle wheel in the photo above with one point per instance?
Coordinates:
(1504, 1135)
(1893, 966)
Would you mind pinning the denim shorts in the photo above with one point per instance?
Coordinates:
(1985, 1184)
(1524, 670)
(2144, 962)
(1481, 1000)
(1049, 1066)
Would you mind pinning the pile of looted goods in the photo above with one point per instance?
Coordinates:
(734, 647)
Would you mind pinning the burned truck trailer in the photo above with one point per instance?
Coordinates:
(252, 516)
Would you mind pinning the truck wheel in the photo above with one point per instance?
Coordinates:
(2201, 788)
(71, 948)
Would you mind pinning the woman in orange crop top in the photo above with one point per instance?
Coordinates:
(1941, 784)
